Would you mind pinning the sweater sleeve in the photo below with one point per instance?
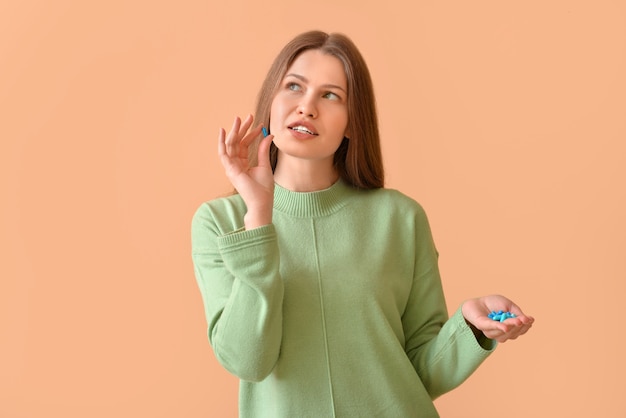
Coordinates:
(443, 351)
(238, 275)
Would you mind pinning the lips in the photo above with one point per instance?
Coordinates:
(303, 128)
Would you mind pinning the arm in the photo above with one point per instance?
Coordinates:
(242, 291)
(443, 351)
(237, 268)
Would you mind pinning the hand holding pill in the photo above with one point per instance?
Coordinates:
(255, 184)
(497, 317)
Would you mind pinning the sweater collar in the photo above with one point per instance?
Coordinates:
(312, 204)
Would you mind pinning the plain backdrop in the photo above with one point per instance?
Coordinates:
(505, 120)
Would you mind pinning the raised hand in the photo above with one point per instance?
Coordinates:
(254, 184)
(476, 312)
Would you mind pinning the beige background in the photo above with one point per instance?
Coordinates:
(506, 120)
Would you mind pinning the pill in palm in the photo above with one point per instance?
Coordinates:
(501, 315)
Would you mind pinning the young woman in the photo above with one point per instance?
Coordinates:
(321, 287)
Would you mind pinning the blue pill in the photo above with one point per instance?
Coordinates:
(501, 315)
(264, 132)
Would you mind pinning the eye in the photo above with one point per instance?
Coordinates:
(332, 96)
(293, 86)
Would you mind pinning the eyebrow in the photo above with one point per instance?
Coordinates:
(304, 79)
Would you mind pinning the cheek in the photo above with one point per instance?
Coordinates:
(278, 110)
(342, 123)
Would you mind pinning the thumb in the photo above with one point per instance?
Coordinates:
(263, 155)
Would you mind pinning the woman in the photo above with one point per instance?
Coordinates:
(321, 288)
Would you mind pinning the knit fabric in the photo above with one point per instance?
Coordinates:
(336, 309)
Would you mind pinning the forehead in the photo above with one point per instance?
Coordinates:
(319, 68)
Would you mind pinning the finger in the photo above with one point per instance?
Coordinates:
(519, 320)
(516, 310)
(248, 139)
(524, 328)
(520, 329)
(232, 140)
(225, 159)
(245, 125)
(227, 162)
(221, 145)
(252, 135)
(263, 157)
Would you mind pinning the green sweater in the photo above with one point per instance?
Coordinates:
(336, 309)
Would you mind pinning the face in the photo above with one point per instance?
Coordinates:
(309, 114)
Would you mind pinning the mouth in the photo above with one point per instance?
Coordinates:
(303, 129)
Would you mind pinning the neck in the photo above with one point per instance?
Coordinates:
(305, 175)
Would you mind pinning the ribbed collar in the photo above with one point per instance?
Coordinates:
(312, 204)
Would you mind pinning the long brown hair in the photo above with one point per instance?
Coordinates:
(358, 159)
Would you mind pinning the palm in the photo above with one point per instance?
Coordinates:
(476, 312)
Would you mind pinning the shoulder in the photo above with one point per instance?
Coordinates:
(224, 214)
(394, 200)
(393, 209)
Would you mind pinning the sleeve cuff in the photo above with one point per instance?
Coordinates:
(244, 238)
(481, 343)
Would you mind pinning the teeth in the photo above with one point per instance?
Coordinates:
(302, 129)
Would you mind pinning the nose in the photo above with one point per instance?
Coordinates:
(307, 107)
